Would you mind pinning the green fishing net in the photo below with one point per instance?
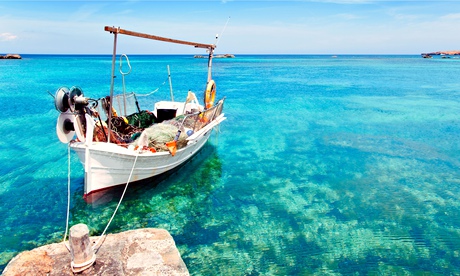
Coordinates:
(142, 119)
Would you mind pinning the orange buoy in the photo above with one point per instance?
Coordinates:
(210, 94)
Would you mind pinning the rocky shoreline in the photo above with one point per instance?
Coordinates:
(440, 53)
(148, 251)
(10, 56)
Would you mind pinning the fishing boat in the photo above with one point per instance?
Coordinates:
(117, 142)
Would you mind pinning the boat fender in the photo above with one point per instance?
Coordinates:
(210, 94)
(61, 99)
(65, 129)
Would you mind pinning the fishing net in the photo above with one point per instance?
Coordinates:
(141, 119)
(143, 129)
(190, 122)
(124, 129)
(121, 133)
(123, 105)
(156, 136)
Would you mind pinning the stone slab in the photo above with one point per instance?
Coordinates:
(147, 251)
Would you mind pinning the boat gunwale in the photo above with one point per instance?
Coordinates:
(121, 150)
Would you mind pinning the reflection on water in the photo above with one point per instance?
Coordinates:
(144, 198)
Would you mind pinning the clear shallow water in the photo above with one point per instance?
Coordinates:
(325, 165)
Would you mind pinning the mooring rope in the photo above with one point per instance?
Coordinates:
(95, 248)
(68, 197)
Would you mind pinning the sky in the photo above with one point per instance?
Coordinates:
(244, 27)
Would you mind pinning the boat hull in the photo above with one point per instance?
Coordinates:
(108, 165)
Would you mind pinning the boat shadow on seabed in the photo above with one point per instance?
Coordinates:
(141, 187)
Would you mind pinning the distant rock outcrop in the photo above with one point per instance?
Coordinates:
(216, 56)
(10, 56)
(146, 251)
(440, 53)
(225, 56)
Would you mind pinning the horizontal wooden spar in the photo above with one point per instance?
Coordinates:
(154, 37)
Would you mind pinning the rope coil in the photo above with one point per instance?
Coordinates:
(80, 267)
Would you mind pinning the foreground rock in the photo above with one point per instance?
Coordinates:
(11, 56)
(138, 252)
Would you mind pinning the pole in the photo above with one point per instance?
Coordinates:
(211, 52)
(112, 81)
(170, 84)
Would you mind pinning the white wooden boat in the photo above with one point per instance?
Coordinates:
(108, 158)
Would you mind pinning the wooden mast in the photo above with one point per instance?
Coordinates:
(118, 30)
(154, 37)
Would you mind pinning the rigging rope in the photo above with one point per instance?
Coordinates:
(136, 94)
(150, 93)
(222, 33)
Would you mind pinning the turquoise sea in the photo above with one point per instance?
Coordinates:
(346, 165)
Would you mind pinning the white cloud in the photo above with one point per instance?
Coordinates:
(452, 16)
(7, 37)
